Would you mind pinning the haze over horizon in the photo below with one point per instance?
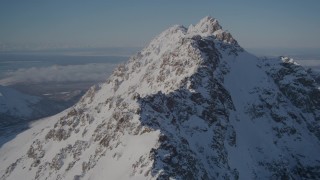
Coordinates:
(37, 25)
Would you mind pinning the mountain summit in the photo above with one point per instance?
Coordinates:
(193, 104)
(209, 26)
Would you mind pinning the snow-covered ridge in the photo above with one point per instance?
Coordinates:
(174, 50)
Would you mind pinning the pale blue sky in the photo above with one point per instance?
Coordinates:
(106, 23)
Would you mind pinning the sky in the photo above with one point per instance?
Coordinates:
(265, 24)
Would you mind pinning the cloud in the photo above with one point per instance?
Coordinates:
(57, 73)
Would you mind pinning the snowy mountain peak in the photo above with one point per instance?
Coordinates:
(191, 105)
(288, 60)
(209, 26)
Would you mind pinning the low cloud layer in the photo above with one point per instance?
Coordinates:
(57, 73)
(77, 73)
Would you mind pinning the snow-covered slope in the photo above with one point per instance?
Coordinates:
(16, 104)
(191, 105)
(18, 109)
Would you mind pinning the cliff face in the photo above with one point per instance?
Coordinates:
(191, 105)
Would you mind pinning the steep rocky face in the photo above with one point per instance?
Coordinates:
(301, 89)
(193, 123)
(191, 105)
